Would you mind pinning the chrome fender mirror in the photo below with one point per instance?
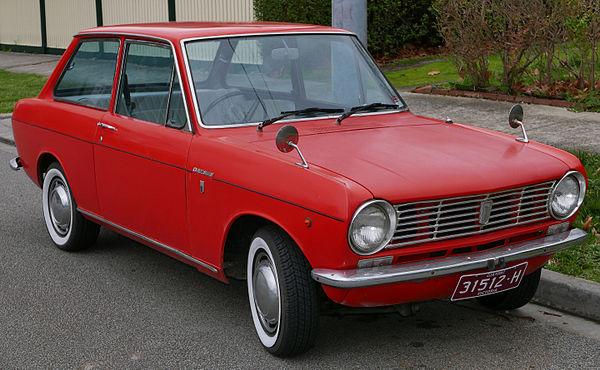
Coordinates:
(287, 140)
(515, 120)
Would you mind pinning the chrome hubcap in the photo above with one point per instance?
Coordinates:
(266, 293)
(59, 203)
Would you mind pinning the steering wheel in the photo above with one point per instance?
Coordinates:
(230, 95)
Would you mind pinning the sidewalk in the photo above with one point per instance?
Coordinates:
(549, 125)
(41, 64)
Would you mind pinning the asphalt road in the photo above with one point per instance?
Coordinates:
(123, 305)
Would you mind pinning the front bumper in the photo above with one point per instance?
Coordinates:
(418, 271)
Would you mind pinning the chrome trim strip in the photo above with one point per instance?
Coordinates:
(175, 62)
(249, 124)
(454, 236)
(474, 197)
(251, 34)
(419, 271)
(154, 242)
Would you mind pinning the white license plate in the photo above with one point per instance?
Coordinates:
(486, 283)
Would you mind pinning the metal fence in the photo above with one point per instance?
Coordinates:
(48, 26)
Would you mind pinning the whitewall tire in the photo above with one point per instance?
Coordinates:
(283, 297)
(67, 228)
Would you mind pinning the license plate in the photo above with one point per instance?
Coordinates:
(486, 283)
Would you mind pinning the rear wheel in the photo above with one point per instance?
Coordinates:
(283, 297)
(514, 298)
(68, 229)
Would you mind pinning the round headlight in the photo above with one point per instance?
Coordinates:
(567, 195)
(372, 227)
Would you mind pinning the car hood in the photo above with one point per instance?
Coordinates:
(429, 160)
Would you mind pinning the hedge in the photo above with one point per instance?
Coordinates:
(392, 25)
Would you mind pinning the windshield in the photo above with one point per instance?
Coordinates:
(244, 80)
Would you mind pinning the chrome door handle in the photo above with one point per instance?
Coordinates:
(104, 125)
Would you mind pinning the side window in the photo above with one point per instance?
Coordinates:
(149, 88)
(88, 77)
(201, 57)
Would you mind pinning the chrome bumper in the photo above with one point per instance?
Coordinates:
(418, 271)
(15, 164)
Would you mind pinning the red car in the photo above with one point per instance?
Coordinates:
(185, 137)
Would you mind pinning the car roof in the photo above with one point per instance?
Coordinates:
(176, 31)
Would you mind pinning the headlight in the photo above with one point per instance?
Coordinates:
(372, 227)
(567, 195)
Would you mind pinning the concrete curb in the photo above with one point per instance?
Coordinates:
(576, 296)
(7, 141)
(6, 134)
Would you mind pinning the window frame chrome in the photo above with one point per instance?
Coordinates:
(201, 123)
(100, 37)
(128, 41)
(141, 37)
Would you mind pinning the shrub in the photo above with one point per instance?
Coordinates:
(391, 24)
(549, 38)
(582, 34)
(465, 27)
(296, 11)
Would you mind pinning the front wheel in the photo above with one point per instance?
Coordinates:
(68, 229)
(514, 298)
(283, 297)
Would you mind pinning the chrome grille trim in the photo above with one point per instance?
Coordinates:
(448, 218)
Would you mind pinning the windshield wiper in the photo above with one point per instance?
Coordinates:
(283, 115)
(363, 108)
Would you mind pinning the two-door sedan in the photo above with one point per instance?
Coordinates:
(280, 154)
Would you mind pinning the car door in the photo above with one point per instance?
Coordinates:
(81, 97)
(141, 148)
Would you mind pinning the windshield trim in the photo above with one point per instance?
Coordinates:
(183, 43)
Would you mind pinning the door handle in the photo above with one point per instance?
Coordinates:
(104, 125)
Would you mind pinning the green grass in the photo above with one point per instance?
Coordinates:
(584, 260)
(15, 86)
(415, 60)
(418, 75)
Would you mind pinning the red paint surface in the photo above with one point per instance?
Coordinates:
(142, 176)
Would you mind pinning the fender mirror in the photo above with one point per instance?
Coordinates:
(515, 120)
(287, 140)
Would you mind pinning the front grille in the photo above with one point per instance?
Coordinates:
(439, 219)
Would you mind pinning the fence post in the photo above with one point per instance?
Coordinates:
(172, 16)
(99, 20)
(43, 26)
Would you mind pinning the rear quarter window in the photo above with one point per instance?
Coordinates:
(88, 76)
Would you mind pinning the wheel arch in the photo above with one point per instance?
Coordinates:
(237, 242)
(44, 161)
